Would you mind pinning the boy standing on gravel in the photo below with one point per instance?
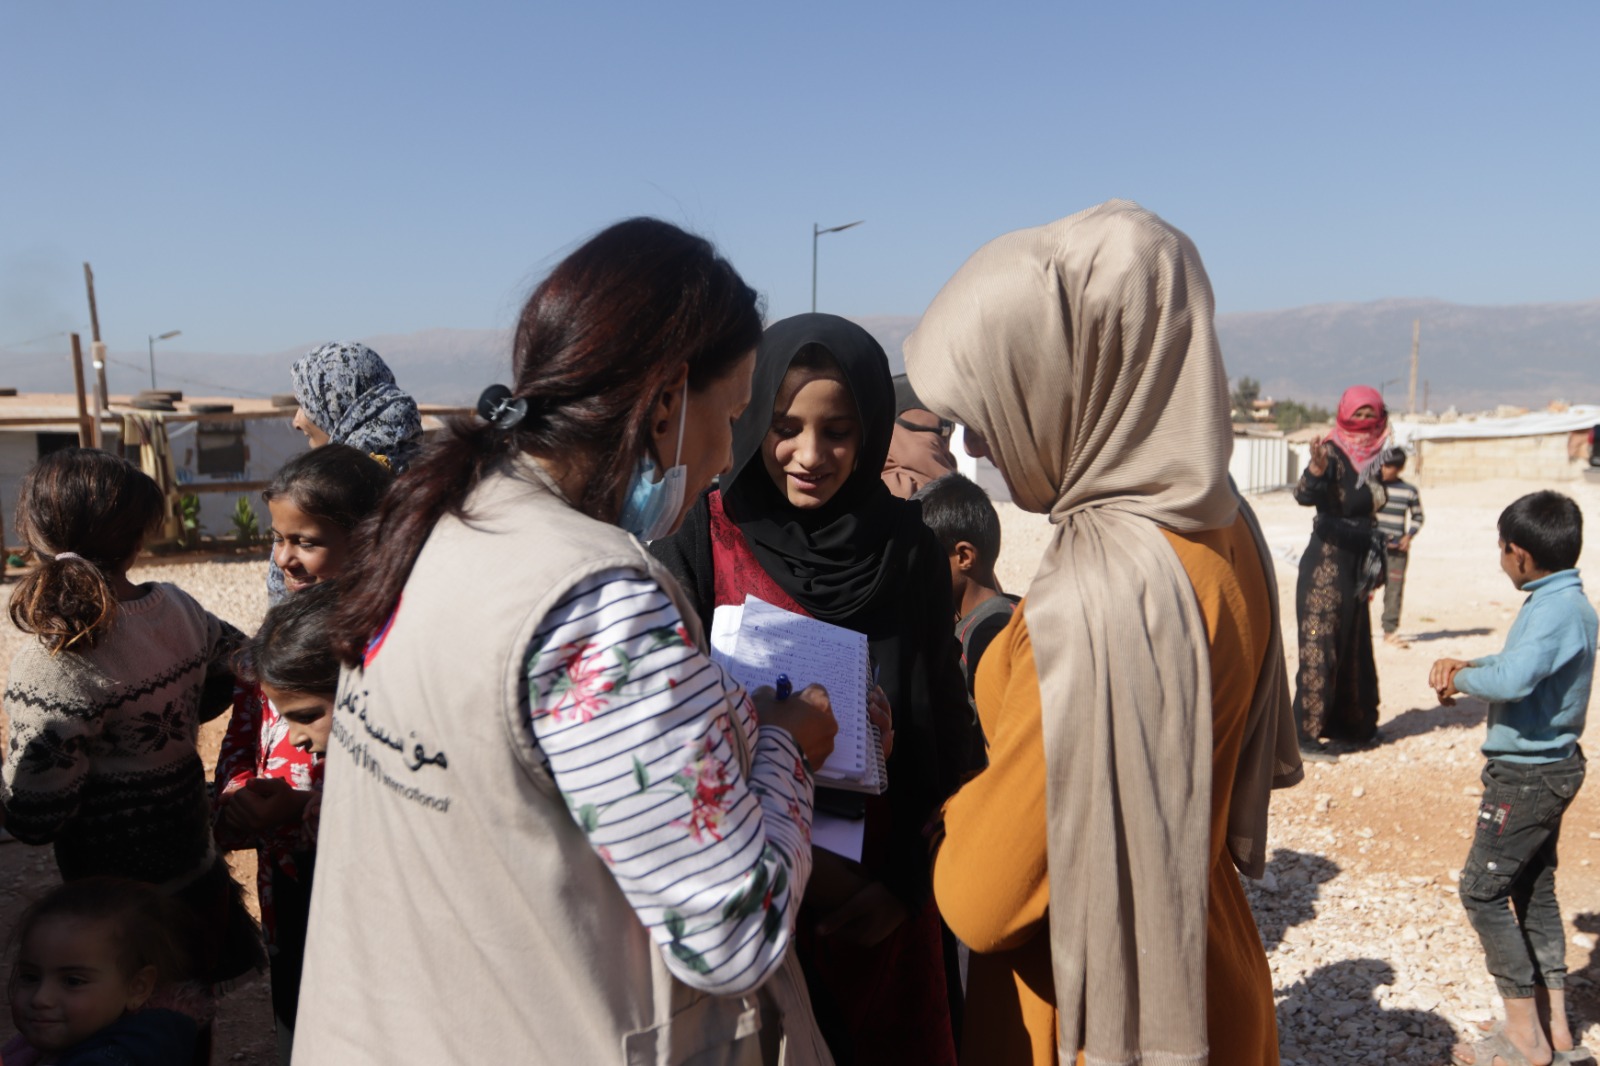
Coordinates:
(1537, 689)
(1399, 520)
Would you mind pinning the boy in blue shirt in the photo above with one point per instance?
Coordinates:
(1537, 689)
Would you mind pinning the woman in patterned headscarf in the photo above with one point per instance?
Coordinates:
(347, 395)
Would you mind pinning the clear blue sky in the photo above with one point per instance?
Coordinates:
(264, 175)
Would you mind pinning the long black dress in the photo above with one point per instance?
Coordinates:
(1336, 690)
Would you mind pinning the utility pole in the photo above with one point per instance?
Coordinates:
(97, 352)
(86, 426)
(1416, 340)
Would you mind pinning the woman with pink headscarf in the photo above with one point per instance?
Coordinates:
(1336, 692)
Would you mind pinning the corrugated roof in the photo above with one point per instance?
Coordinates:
(1572, 419)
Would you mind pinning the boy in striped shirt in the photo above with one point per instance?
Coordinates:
(1400, 519)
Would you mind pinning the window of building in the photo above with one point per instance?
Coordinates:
(220, 450)
(54, 442)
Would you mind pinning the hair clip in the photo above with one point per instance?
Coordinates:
(500, 409)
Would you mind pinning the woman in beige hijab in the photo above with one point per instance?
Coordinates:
(1137, 708)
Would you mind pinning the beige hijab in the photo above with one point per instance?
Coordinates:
(1084, 353)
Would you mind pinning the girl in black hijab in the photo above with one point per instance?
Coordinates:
(805, 521)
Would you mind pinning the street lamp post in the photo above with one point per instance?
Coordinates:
(815, 233)
(162, 337)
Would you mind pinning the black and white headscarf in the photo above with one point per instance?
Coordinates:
(348, 392)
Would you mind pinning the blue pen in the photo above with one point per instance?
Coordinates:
(784, 686)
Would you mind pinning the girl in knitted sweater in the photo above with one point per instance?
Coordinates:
(106, 705)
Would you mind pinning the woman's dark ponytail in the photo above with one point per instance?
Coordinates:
(597, 343)
(386, 545)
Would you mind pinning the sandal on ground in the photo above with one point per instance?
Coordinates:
(1495, 1043)
(1578, 1056)
(1316, 753)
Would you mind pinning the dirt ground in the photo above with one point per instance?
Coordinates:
(1371, 954)
(1372, 958)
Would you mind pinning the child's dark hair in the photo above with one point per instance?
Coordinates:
(151, 928)
(1546, 525)
(336, 483)
(1395, 457)
(957, 509)
(95, 509)
(293, 649)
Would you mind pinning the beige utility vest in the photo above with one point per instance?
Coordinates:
(459, 914)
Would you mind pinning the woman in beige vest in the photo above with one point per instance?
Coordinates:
(553, 830)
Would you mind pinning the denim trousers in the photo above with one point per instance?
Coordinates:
(1513, 861)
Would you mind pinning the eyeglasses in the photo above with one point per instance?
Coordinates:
(944, 428)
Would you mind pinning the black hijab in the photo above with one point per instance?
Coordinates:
(865, 561)
(836, 559)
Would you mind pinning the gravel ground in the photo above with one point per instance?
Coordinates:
(1372, 957)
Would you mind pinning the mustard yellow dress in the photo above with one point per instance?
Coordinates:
(990, 876)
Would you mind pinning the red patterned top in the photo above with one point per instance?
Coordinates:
(735, 569)
(257, 745)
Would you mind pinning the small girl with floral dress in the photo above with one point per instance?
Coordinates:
(266, 785)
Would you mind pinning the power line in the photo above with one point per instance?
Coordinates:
(48, 336)
(234, 389)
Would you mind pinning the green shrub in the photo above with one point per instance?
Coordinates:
(245, 527)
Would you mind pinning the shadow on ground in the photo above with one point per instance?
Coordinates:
(1334, 1015)
(1287, 893)
(1470, 713)
(1448, 634)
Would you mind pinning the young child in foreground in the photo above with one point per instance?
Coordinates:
(105, 705)
(1537, 689)
(105, 974)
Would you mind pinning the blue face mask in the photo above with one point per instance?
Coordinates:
(651, 507)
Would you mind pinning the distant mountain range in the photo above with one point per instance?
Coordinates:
(1471, 357)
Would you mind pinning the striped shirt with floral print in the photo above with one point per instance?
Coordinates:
(638, 729)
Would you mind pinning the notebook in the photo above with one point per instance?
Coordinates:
(758, 641)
